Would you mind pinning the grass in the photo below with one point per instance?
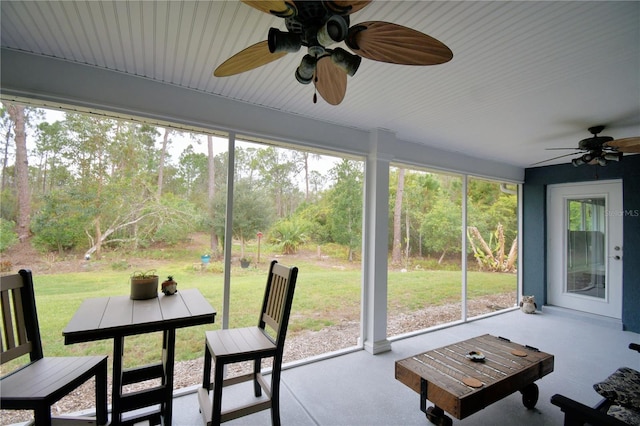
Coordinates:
(326, 294)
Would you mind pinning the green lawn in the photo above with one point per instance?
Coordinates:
(325, 295)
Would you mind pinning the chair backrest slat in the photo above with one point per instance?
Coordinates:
(20, 332)
(277, 300)
(11, 321)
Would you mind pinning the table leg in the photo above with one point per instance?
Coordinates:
(168, 349)
(116, 387)
(434, 414)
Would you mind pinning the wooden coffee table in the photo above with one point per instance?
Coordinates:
(460, 385)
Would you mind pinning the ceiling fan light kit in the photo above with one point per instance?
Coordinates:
(280, 41)
(601, 150)
(317, 25)
(306, 70)
(602, 159)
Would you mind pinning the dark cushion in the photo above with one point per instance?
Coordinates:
(625, 414)
(622, 387)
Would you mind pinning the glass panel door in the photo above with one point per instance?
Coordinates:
(584, 241)
(586, 234)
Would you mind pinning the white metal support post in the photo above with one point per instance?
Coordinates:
(374, 246)
(228, 230)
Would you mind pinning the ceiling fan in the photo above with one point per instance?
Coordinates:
(599, 150)
(317, 25)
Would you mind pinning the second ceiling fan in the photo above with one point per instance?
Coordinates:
(317, 25)
(599, 150)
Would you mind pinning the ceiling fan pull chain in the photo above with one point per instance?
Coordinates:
(315, 92)
(315, 84)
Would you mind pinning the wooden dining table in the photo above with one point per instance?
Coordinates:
(115, 318)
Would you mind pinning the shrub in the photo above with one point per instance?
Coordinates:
(8, 236)
(60, 223)
(288, 235)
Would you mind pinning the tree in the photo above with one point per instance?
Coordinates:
(345, 199)
(491, 255)
(211, 192)
(50, 143)
(163, 154)
(92, 145)
(251, 211)
(441, 227)
(303, 157)
(396, 251)
(7, 126)
(192, 172)
(277, 172)
(419, 191)
(17, 114)
(61, 221)
(317, 181)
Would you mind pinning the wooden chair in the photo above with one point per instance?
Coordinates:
(250, 344)
(43, 381)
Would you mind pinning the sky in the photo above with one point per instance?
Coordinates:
(181, 140)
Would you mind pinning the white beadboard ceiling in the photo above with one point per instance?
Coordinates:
(525, 76)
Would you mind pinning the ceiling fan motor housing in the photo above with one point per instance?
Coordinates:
(316, 24)
(594, 143)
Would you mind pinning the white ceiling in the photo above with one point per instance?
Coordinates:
(525, 76)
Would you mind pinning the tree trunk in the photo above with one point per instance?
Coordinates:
(163, 154)
(16, 112)
(501, 244)
(396, 252)
(5, 159)
(407, 235)
(306, 176)
(212, 193)
(513, 256)
(98, 238)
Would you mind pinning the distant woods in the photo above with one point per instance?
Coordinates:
(89, 183)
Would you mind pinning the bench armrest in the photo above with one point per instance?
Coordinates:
(576, 413)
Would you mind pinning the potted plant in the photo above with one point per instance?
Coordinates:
(169, 286)
(144, 285)
(245, 262)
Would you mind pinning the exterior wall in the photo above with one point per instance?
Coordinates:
(534, 227)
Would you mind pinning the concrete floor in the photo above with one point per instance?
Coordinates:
(360, 389)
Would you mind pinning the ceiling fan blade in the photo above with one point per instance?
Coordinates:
(625, 145)
(278, 8)
(551, 159)
(559, 149)
(331, 81)
(252, 57)
(346, 7)
(393, 43)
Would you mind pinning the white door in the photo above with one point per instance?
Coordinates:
(584, 247)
